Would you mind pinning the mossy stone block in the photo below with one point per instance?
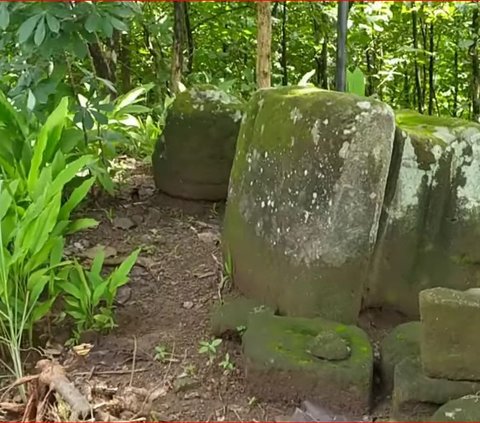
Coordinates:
(428, 232)
(450, 340)
(194, 156)
(280, 367)
(465, 409)
(402, 342)
(417, 396)
(232, 315)
(305, 195)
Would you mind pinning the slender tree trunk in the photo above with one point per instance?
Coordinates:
(125, 63)
(475, 68)
(455, 81)
(418, 87)
(369, 88)
(178, 43)
(423, 30)
(431, 69)
(341, 66)
(406, 89)
(100, 62)
(324, 63)
(284, 45)
(190, 42)
(264, 44)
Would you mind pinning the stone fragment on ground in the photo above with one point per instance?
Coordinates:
(428, 230)
(417, 396)
(194, 155)
(306, 192)
(402, 342)
(450, 341)
(232, 315)
(311, 412)
(279, 366)
(465, 409)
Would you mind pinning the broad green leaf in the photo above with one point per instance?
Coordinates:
(76, 197)
(119, 276)
(41, 309)
(47, 140)
(69, 173)
(40, 32)
(53, 23)
(99, 292)
(98, 262)
(31, 100)
(4, 16)
(37, 282)
(26, 28)
(93, 22)
(118, 24)
(356, 82)
(80, 225)
(71, 289)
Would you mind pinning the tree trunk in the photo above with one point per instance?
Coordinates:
(341, 66)
(264, 44)
(431, 68)
(100, 62)
(324, 63)
(178, 43)
(455, 83)
(475, 69)
(190, 42)
(125, 64)
(418, 87)
(284, 45)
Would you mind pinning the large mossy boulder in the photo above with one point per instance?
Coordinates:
(428, 232)
(281, 365)
(450, 338)
(465, 409)
(194, 155)
(305, 196)
(417, 396)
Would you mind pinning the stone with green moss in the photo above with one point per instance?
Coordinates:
(417, 396)
(232, 316)
(429, 228)
(279, 366)
(305, 196)
(400, 343)
(450, 339)
(328, 345)
(193, 157)
(465, 409)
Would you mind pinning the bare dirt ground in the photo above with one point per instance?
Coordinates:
(166, 304)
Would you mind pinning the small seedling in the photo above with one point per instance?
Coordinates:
(210, 348)
(226, 364)
(161, 353)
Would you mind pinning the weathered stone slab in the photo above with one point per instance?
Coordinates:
(450, 341)
(232, 316)
(193, 157)
(305, 196)
(400, 343)
(428, 229)
(417, 396)
(279, 366)
(465, 409)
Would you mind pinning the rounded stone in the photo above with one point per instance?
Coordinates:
(328, 345)
(193, 157)
(305, 196)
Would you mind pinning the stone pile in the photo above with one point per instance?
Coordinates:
(434, 362)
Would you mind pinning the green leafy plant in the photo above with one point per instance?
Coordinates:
(162, 354)
(226, 364)
(356, 82)
(35, 216)
(89, 296)
(210, 348)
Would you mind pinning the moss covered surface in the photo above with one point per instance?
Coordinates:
(449, 338)
(426, 226)
(400, 343)
(465, 409)
(305, 195)
(417, 396)
(194, 156)
(232, 316)
(279, 366)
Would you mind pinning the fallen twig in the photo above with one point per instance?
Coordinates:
(109, 372)
(133, 360)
